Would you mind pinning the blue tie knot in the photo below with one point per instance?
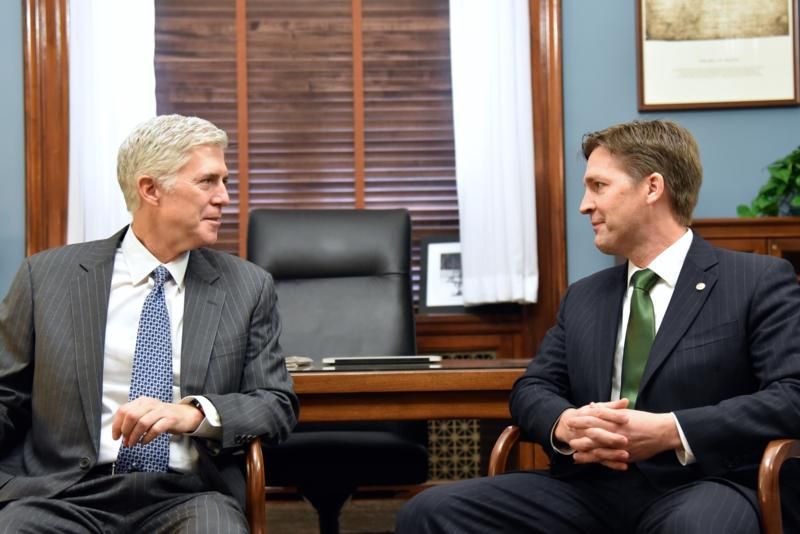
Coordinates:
(160, 276)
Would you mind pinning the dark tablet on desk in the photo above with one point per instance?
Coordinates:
(361, 361)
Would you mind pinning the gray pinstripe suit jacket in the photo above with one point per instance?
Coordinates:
(726, 360)
(52, 334)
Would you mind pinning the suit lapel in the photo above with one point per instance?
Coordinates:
(605, 340)
(89, 292)
(201, 315)
(686, 302)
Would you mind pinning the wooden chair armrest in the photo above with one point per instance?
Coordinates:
(256, 488)
(498, 462)
(769, 497)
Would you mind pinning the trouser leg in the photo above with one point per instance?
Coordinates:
(703, 507)
(523, 502)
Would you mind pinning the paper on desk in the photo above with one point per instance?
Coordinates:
(295, 363)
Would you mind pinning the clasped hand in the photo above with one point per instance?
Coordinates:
(144, 419)
(610, 434)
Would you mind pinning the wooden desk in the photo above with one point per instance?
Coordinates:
(461, 389)
(476, 389)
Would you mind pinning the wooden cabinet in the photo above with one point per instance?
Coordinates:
(494, 335)
(776, 236)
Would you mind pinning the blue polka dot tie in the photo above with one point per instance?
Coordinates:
(151, 376)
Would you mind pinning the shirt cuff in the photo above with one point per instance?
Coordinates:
(685, 455)
(565, 451)
(211, 426)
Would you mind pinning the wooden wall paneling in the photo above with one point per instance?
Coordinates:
(776, 236)
(784, 246)
(548, 135)
(742, 244)
(761, 235)
(46, 80)
(498, 333)
(243, 124)
(758, 227)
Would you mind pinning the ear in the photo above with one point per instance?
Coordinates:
(656, 188)
(149, 191)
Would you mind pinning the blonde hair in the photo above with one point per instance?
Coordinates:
(159, 147)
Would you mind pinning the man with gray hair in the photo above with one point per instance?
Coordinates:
(132, 369)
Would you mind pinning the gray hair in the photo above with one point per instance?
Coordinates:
(159, 147)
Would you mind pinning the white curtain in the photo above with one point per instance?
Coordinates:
(112, 89)
(490, 56)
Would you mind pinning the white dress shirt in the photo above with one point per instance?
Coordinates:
(667, 266)
(130, 284)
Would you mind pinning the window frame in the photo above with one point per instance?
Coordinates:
(46, 84)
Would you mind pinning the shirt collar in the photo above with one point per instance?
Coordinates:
(141, 261)
(669, 263)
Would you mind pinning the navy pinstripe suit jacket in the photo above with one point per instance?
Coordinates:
(52, 335)
(726, 361)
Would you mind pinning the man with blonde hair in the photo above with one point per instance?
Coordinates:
(663, 379)
(133, 369)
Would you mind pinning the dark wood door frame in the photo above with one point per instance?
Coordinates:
(46, 79)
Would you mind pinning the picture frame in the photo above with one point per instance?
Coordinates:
(707, 54)
(440, 275)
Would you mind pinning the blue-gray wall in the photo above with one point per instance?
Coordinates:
(12, 144)
(600, 90)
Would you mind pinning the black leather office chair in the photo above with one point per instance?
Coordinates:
(344, 288)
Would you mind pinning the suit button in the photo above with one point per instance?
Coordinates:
(85, 463)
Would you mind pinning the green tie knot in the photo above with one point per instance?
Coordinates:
(644, 280)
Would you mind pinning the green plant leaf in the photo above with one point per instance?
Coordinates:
(743, 210)
(782, 173)
(780, 191)
(771, 210)
(770, 189)
(761, 203)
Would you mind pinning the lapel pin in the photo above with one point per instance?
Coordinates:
(700, 286)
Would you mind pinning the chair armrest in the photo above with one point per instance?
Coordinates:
(256, 488)
(769, 497)
(498, 462)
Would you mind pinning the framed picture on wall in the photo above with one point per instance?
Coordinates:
(440, 275)
(712, 54)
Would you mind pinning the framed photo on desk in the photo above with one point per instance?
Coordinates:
(711, 54)
(440, 275)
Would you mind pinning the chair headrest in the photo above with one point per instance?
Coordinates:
(293, 244)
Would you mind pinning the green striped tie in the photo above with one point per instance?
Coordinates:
(640, 334)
